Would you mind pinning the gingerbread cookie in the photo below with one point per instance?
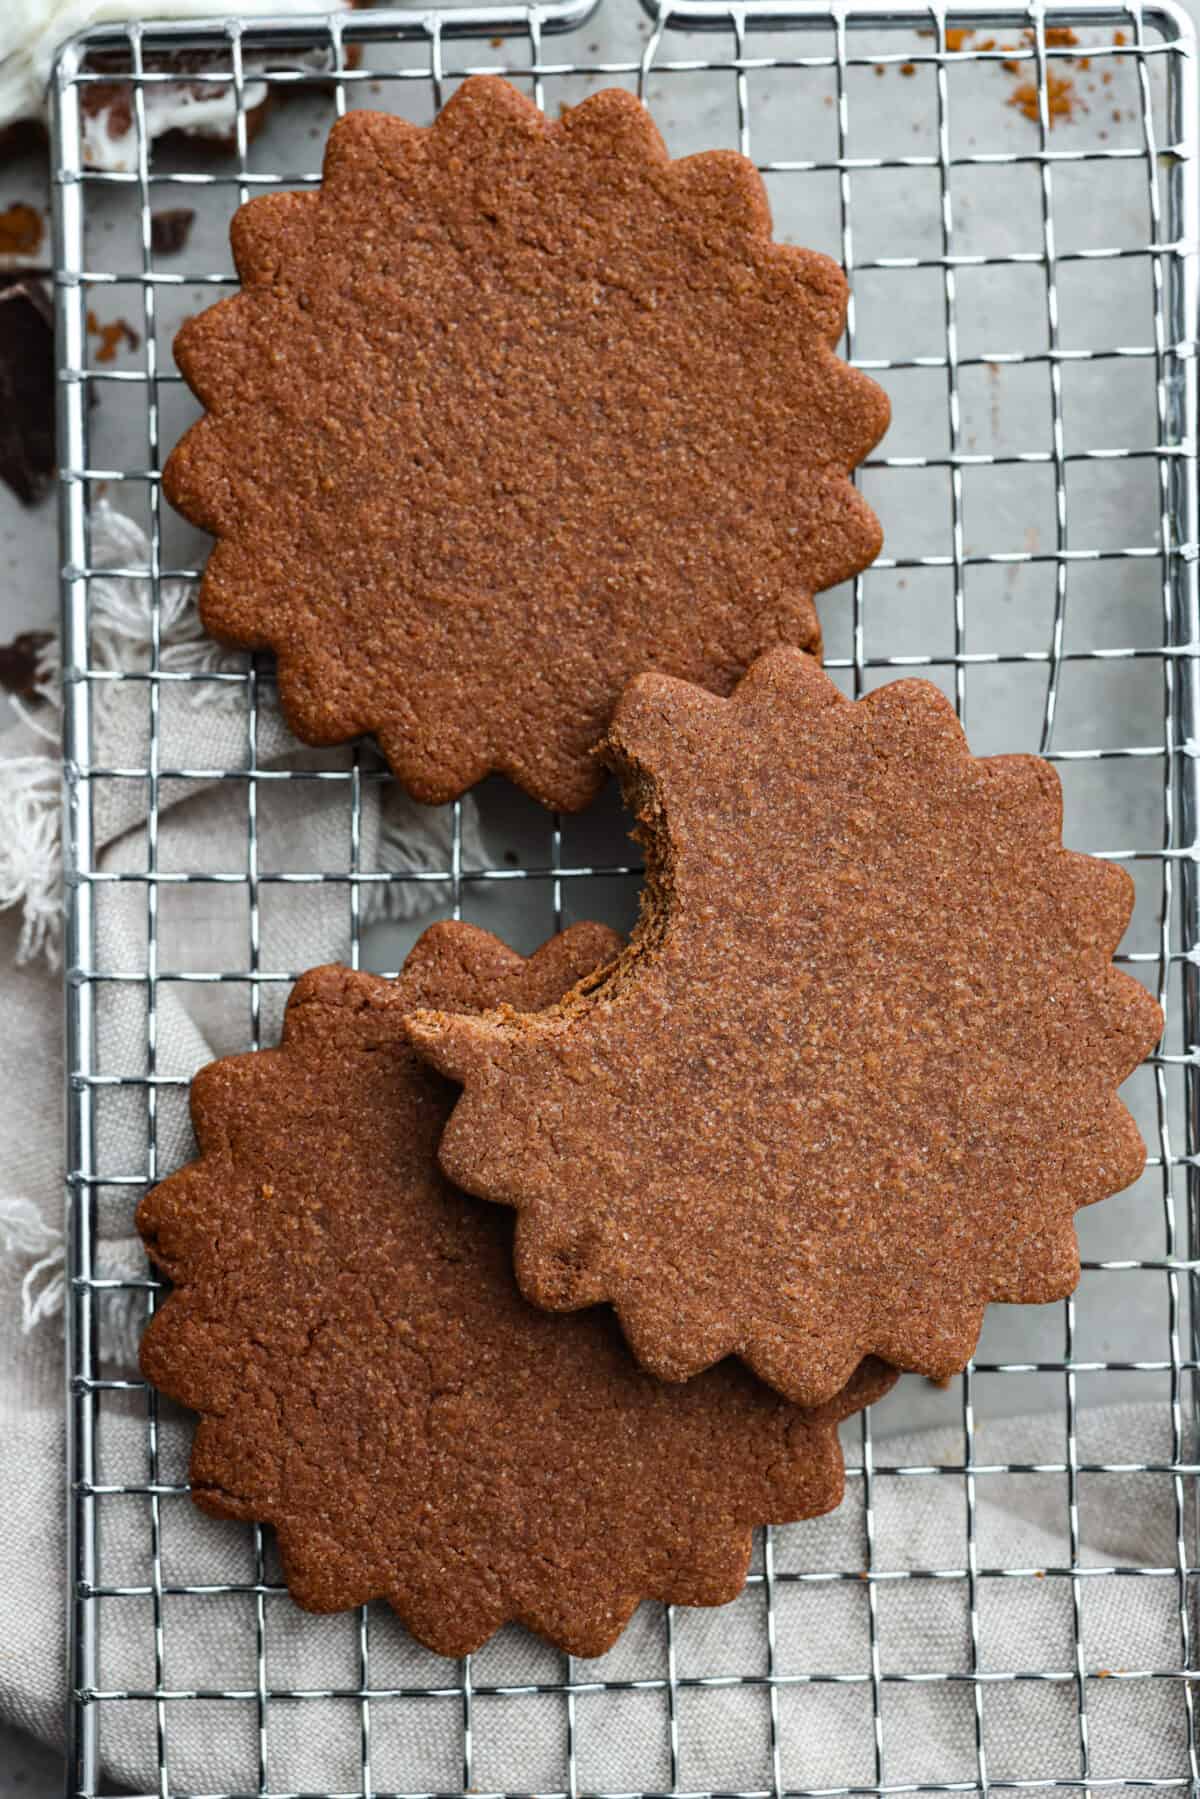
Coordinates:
(858, 1066)
(371, 1382)
(507, 413)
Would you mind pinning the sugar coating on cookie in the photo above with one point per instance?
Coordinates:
(506, 413)
(371, 1382)
(858, 1066)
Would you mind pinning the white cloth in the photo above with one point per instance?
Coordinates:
(32, 30)
(519, 1741)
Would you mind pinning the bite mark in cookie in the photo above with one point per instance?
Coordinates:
(857, 1068)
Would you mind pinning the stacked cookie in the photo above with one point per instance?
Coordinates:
(526, 1289)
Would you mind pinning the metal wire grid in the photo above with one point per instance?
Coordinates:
(840, 42)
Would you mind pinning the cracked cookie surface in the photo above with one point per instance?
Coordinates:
(507, 412)
(857, 1068)
(371, 1382)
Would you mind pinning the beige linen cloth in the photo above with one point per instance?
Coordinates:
(680, 1679)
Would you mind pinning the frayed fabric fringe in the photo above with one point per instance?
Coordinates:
(412, 838)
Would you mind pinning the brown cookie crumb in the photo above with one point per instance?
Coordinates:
(1062, 101)
(858, 1066)
(113, 334)
(22, 229)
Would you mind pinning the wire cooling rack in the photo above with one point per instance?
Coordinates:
(1019, 227)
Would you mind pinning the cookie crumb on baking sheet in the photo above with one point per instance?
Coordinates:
(1063, 98)
(22, 229)
(112, 334)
